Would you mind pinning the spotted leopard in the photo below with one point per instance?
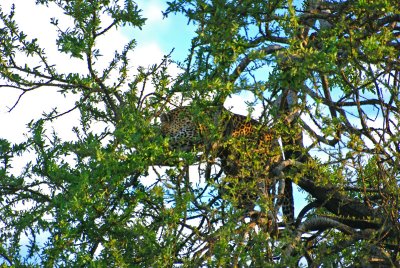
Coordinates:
(245, 148)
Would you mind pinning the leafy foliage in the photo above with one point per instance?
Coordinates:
(102, 198)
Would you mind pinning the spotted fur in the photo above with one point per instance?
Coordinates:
(243, 142)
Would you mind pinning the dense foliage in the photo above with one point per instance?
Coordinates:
(116, 195)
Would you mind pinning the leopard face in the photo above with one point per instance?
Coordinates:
(179, 126)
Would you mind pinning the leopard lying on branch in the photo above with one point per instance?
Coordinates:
(246, 149)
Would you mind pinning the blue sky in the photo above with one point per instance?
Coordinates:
(157, 38)
(169, 33)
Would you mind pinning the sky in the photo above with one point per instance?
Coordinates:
(157, 38)
(34, 21)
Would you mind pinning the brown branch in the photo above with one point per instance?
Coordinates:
(328, 98)
(247, 60)
(105, 29)
(335, 202)
(305, 210)
(388, 19)
(318, 224)
(328, 196)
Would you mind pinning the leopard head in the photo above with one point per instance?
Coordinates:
(179, 127)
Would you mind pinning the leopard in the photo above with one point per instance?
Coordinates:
(239, 141)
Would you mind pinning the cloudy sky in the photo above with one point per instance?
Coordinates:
(157, 38)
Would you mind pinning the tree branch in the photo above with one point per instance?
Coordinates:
(247, 60)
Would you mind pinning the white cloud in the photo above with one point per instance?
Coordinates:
(238, 104)
(34, 20)
(153, 12)
(147, 55)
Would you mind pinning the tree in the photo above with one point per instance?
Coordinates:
(87, 201)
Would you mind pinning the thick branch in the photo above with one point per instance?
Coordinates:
(316, 224)
(329, 196)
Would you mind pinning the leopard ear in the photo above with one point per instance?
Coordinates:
(164, 118)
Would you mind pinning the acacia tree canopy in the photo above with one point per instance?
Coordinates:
(325, 75)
